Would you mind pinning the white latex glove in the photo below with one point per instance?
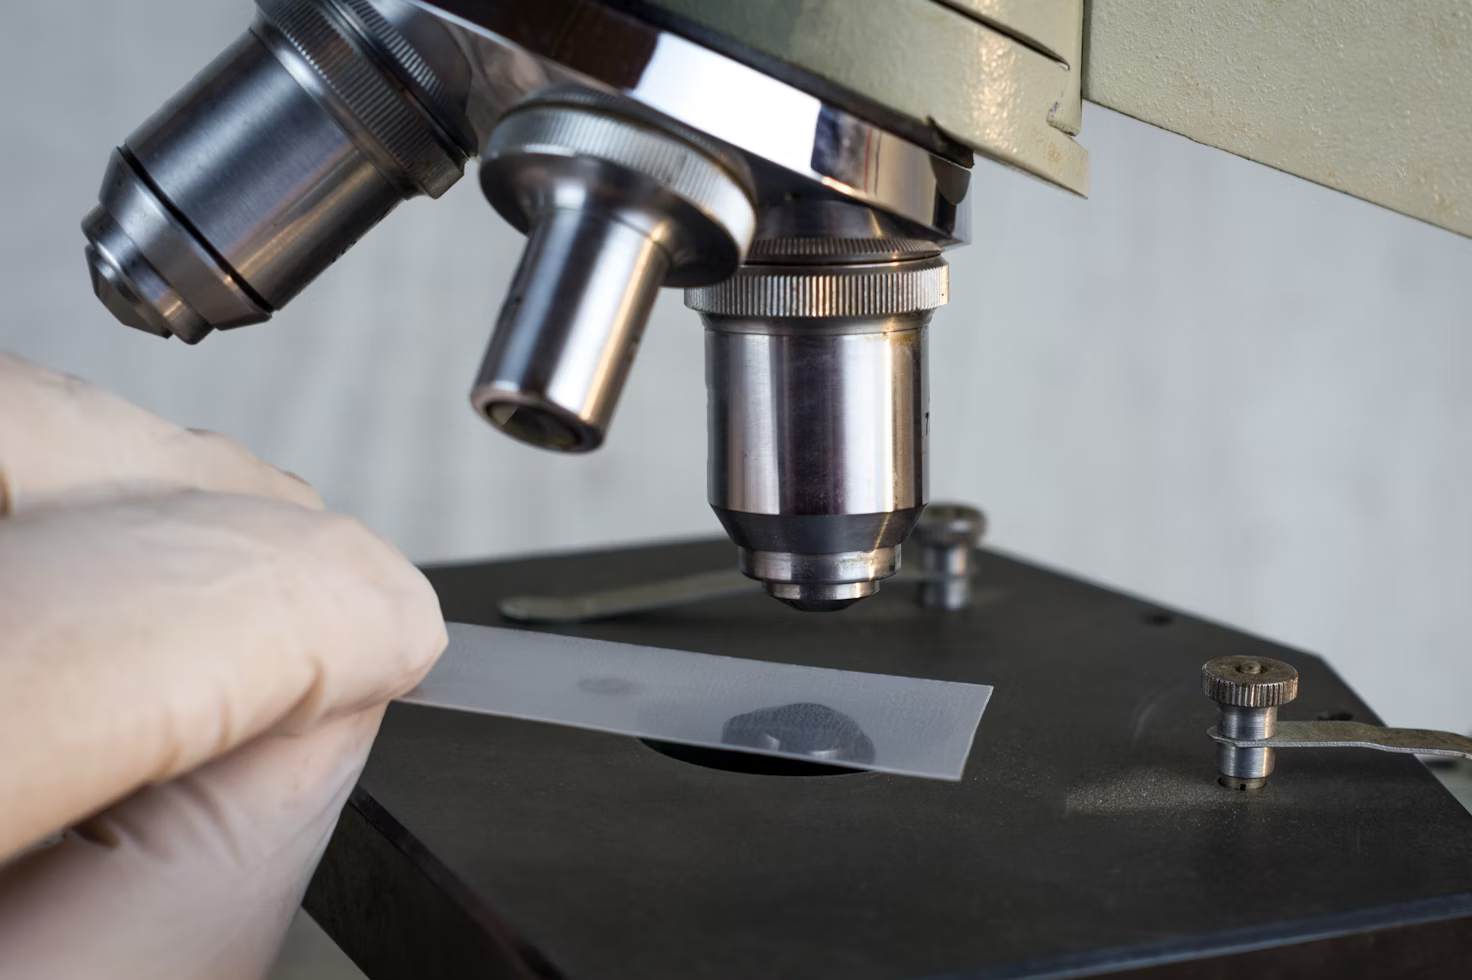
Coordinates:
(194, 659)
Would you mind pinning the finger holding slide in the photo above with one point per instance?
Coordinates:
(64, 439)
(144, 637)
(220, 856)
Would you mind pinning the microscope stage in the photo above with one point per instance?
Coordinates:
(1089, 834)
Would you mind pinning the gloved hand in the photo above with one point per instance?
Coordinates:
(194, 658)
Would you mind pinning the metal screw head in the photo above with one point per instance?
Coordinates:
(1249, 682)
(950, 524)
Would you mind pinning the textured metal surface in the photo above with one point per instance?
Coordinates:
(819, 250)
(792, 291)
(669, 164)
(1249, 690)
(370, 98)
(415, 68)
(1249, 682)
(1088, 836)
(633, 112)
(1363, 96)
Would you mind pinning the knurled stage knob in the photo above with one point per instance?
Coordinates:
(1249, 682)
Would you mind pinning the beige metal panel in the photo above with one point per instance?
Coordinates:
(1054, 27)
(1371, 97)
(925, 60)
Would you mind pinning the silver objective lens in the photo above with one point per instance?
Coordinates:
(616, 203)
(816, 376)
(274, 160)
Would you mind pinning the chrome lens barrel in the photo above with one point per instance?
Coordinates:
(616, 204)
(569, 330)
(818, 401)
(273, 161)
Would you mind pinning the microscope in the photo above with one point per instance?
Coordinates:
(799, 168)
(637, 148)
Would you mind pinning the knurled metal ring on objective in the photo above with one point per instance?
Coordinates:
(318, 32)
(880, 289)
(396, 49)
(680, 171)
(825, 251)
(607, 103)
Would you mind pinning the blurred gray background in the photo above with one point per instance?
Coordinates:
(1212, 384)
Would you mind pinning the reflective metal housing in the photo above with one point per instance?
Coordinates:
(633, 158)
(617, 203)
(799, 137)
(817, 452)
(273, 161)
(816, 376)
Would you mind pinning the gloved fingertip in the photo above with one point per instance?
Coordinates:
(428, 635)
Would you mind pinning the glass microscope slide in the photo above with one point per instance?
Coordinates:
(906, 725)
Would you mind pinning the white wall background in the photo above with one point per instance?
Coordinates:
(1212, 383)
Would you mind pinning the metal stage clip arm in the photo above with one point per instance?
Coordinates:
(1354, 735)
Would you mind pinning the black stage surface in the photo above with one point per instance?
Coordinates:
(1088, 836)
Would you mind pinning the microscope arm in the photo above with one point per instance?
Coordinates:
(1368, 98)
